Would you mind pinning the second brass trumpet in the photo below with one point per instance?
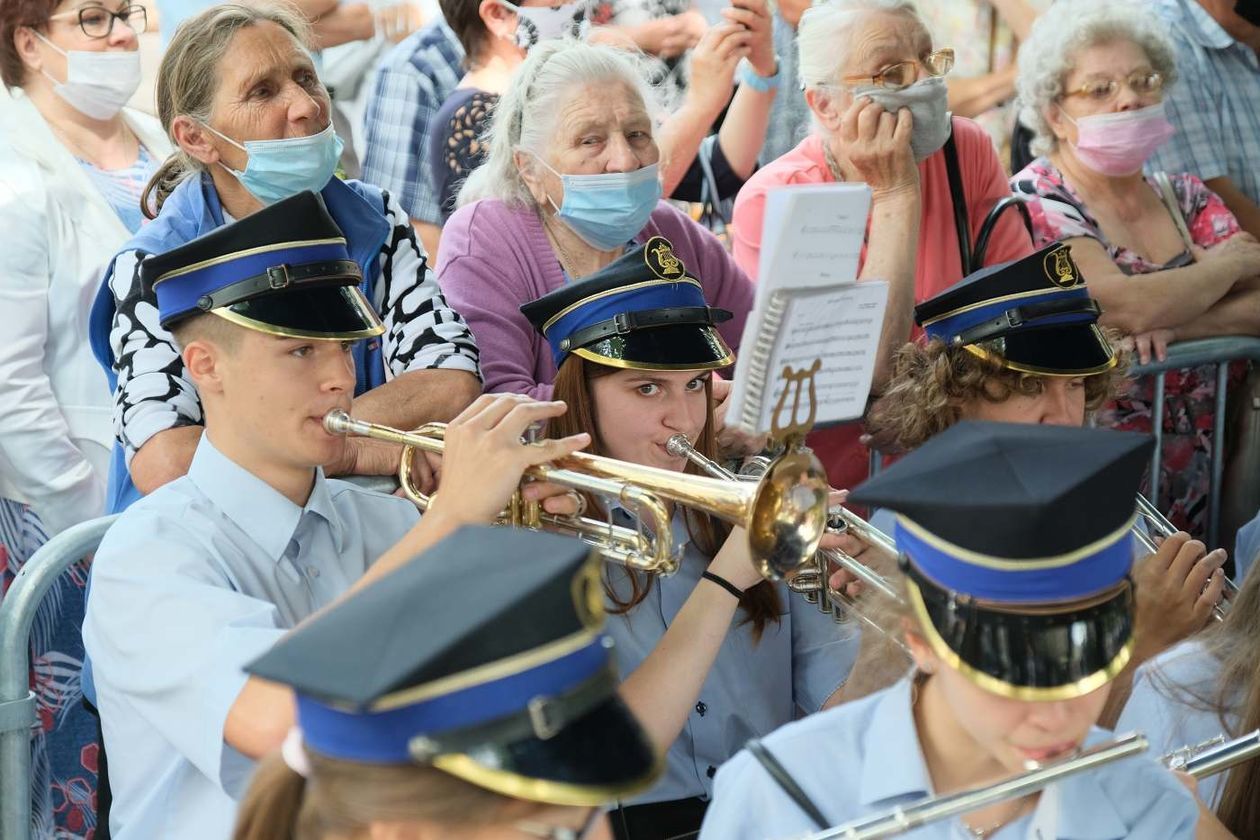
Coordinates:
(785, 514)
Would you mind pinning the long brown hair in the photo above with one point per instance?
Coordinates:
(760, 603)
(342, 798)
(1235, 698)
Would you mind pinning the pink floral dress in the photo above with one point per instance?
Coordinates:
(1185, 475)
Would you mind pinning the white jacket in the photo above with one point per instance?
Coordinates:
(57, 235)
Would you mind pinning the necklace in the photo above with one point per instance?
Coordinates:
(129, 138)
(563, 256)
(831, 162)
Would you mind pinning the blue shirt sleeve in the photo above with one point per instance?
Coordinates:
(182, 681)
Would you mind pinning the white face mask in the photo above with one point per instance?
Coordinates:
(98, 84)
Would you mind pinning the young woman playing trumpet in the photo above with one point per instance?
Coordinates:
(712, 655)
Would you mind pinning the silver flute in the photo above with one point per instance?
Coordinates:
(1214, 756)
(933, 809)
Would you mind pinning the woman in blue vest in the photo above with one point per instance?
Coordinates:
(239, 96)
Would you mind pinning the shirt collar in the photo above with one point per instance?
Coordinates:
(894, 765)
(257, 508)
(1091, 815)
(890, 773)
(1202, 27)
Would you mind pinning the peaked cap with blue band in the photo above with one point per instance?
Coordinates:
(284, 271)
(483, 657)
(642, 311)
(1032, 315)
(1016, 540)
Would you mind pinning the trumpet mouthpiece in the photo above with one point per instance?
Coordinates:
(679, 446)
(338, 422)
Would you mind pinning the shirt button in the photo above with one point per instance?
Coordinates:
(313, 571)
(711, 772)
(701, 708)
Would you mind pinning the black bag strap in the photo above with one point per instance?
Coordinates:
(785, 781)
(991, 220)
(958, 197)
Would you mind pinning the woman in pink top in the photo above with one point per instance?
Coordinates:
(880, 111)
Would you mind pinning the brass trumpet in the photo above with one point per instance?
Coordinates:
(784, 514)
(1157, 525)
(811, 578)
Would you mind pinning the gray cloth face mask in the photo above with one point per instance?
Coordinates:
(929, 105)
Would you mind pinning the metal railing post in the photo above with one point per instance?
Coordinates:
(1220, 351)
(17, 702)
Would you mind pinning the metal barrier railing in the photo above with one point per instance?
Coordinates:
(17, 701)
(1219, 351)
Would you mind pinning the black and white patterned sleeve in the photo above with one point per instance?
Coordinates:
(421, 330)
(154, 393)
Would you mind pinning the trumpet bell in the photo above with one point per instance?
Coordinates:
(785, 525)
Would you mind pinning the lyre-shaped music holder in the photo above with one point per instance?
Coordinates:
(800, 383)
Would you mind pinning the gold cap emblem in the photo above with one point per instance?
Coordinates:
(662, 260)
(1060, 269)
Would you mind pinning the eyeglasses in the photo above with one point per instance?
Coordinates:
(905, 73)
(552, 832)
(1141, 82)
(98, 21)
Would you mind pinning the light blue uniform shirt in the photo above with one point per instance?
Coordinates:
(863, 758)
(192, 583)
(753, 687)
(1165, 705)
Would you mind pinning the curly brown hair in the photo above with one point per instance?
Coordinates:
(932, 382)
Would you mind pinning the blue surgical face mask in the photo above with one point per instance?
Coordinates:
(278, 169)
(607, 210)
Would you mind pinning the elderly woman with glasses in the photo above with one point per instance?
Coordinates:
(73, 161)
(1163, 255)
(875, 84)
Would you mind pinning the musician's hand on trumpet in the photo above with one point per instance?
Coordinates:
(1177, 587)
(484, 459)
(730, 440)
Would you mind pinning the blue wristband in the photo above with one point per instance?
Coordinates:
(761, 84)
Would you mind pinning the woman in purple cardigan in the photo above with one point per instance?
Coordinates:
(569, 183)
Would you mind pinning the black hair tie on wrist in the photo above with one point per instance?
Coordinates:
(724, 583)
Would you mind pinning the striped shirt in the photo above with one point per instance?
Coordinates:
(411, 83)
(1215, 103)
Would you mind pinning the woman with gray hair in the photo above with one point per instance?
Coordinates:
(570, 181)
(1164, 257)
(875, 84)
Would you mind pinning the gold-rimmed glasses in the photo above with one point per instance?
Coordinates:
(905, 73)
(98, 21)
(1101, 90)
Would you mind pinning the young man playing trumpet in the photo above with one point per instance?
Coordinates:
(206, 573)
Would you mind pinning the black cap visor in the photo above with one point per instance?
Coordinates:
(1064, 350)
(602, 756)
(675, 347)
(322, 312)
(1028, 651)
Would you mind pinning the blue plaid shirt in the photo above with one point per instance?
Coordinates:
(412, 81)
(1215, 103)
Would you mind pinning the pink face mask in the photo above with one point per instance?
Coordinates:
(1118, 144)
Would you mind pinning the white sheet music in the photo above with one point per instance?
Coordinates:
(812, 236)
(839, 326)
